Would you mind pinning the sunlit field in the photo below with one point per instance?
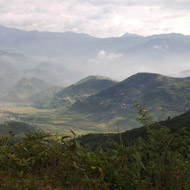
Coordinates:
(53, 120)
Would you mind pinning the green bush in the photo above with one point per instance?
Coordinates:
(46, 161)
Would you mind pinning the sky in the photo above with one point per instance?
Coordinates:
(101, 18)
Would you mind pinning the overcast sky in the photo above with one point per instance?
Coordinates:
(102, 18)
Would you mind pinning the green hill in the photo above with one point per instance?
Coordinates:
(130, 137)
(163, 96)
(81, 90)
(24, 89)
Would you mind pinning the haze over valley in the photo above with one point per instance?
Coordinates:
(93, 79)
(68, 57)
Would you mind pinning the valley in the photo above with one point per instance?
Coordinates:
(51, 120)
(96, 104)
(62, 81)
(94, 95)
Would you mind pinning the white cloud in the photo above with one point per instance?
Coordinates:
(104, 63)
(98, 17)
(105, 59)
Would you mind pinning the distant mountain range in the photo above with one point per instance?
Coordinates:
(69, 43)
(64, 58)
(163, 96)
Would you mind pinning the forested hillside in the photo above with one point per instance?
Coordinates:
(129, 137)
(163, 96)
(81, 90)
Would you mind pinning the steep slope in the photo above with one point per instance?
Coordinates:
(103, 140)
(24, 89)
(81, 90)
(160, 94)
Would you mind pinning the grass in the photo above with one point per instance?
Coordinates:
(53, 120)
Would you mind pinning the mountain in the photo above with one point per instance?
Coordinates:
(24, 89)
(95, 141)
(11, 69)
(94, 78)
(131, 35)
(9, 35)
(80, 54)
(51, 44)
(162, 95)
(168, 44)
(81, 90)
(14, 66)
(43, 43)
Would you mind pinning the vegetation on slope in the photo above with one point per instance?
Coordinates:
(130, 137)
(81, 90)
(16, 128)
(163, 96)
(44, 161)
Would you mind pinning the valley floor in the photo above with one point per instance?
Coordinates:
(53, 120)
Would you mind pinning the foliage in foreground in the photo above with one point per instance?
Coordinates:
(45, 161)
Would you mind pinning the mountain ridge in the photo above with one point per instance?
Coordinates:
(83, 33)
(82, 89)
(160, 94)
(81, 54)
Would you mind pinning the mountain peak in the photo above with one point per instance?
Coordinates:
(160, 94)
(142, 76)
(168, 35)
(93, 77)
(130, 35)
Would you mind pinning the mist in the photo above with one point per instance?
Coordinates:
(64, 58)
